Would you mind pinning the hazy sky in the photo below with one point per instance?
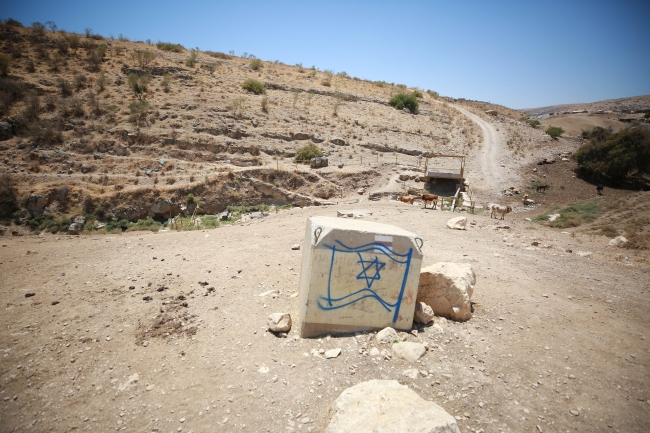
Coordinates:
(517, 53)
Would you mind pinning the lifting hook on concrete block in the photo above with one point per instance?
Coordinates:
(317, 233)
(420, 243)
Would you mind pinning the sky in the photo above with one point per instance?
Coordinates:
(521, 54)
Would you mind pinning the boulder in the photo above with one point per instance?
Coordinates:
(162, 207)
(386, 406)
(411, 373)
(458, 223)
(300, 136)
(6, 131)
(409, 351)
(404, 176)
(85, 168)
(618, 241)
(79, 220)
(423, 313)
(317, 138)
(36, 204)
(75, 229)
(447, 288)
(338, 141)
(279, 322)
(387, 335)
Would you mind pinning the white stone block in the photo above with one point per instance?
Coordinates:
(357, 276)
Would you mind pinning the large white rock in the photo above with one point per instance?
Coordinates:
(385, 406)
(423, 313)
(387, 336)
(618, 241)
(458, 223)
(447, 288)
(279, 322)
(409, 351)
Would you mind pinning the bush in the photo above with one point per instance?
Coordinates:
(417, 94)
(73, 40)
(434, 95)
(165, 82)
(138, 84)
(254, 86)
(191, 60)
(533, 123)
(647, 115)
(143, 57)
(256, 64)
(617, 155)
(39, 28)
(306, 153)
(5, 65)
(100, 82)
(218, 55)
(554, 131)
(191, 198)
(65, 87)
(265, 104)
(168, 46)
(139, 111)
(13, 23)
(403, 100)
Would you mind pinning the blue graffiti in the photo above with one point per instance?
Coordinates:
(370, 272)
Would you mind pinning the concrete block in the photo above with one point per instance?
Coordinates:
(357, 276)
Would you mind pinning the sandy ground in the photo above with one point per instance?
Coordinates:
(558, 342)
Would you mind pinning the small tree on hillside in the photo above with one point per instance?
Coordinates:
(138, 84)
(306, 153)
(143, 57)
(554, 131)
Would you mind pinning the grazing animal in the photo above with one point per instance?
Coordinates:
(501, 210)
(600, 188)
(406, 199)
(541, 188)
(430, 198)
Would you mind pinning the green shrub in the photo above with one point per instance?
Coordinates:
(554, 131)
(433, 94)
(306, 153)
(168, 46)
(13, 23)
(417, 94)
(647, 115)
(191, 198)
(401, 86)
(403, 100)
(138, 84)
(143, 57)
(39, 28)
(165, 82)
(265, 104)
(256, 64)
(5, 64)
(191, 60)
(533, 123)
(139, 111)
(617, 155)
(254, 86)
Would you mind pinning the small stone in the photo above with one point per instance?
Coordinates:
(575, 412)
(411, 373)
(409, 351)
(423, 313)
(333, 353)
(387, 335)
(181, 420)
(295, 247)
(29, 295)
(279, 322)
(374, 351)
(263, 370)
(150, 387)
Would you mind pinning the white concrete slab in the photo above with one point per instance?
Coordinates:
(357, 276)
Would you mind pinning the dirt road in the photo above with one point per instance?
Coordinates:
(557, 340)
(487, 168)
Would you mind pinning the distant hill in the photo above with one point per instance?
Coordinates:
(634, 103)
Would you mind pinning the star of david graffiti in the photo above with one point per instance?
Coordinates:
(370, 272)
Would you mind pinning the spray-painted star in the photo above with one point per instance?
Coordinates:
(368, 266)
